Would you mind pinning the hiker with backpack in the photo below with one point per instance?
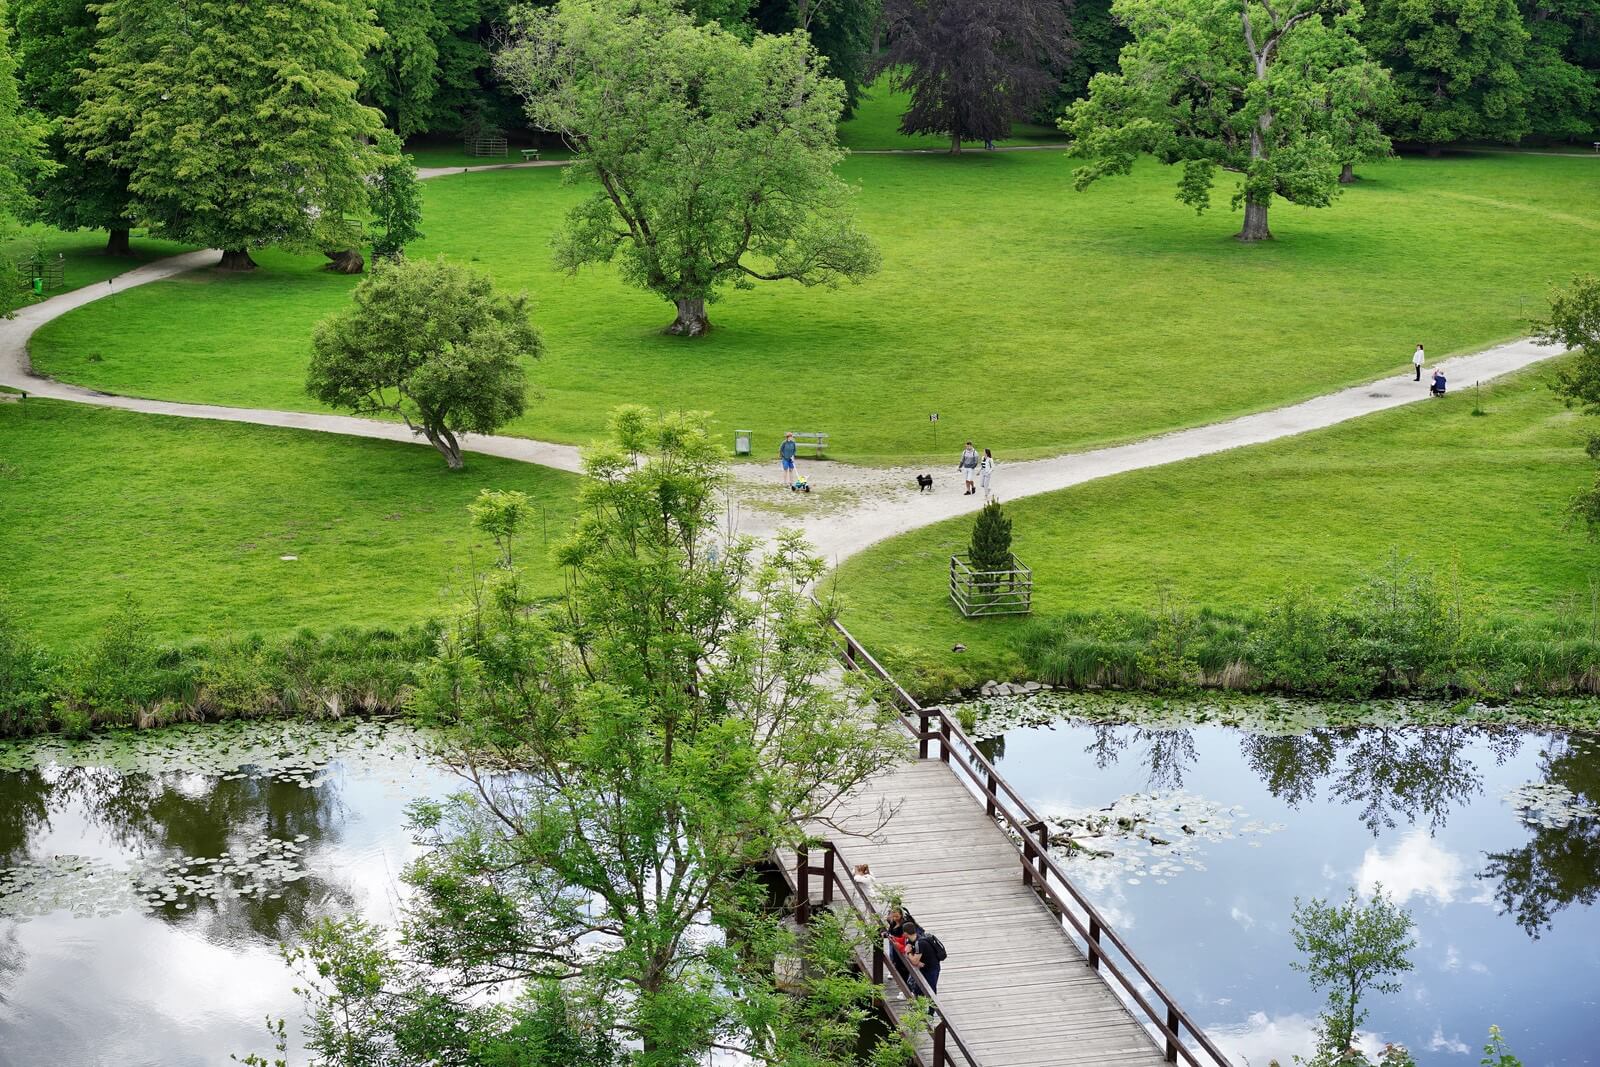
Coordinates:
(926, 953)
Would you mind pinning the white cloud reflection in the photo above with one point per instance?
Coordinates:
(1417, 866)
(1262, 1038)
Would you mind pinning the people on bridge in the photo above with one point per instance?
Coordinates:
(926, 953)
(895, 931)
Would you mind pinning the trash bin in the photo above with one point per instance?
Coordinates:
(741, 442)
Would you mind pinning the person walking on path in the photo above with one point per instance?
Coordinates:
(986, 472)
(968, 467)
(786, 453)
(1416, 363)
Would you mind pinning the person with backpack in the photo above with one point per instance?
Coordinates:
(926, 953)
(895, 931)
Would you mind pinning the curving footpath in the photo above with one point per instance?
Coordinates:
(892, 506)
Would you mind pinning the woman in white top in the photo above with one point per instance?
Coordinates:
(986, 472)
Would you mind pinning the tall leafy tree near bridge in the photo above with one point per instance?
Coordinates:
(238, 125)
(1257, 88)
(973, 67)
(711, 158)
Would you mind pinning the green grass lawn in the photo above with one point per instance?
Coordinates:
(86, 261)
(876, 126)
(1033, 318)
(191, 518)
(454, 154)
(1484, 495)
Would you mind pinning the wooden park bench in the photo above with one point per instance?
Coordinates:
(530, 155)
(817, 442)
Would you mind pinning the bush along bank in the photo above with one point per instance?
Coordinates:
(1402, 633)
(120, 677)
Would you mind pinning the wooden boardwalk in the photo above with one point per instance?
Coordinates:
(1015, 987)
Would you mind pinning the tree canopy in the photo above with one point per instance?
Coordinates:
(1456, 68)
(431, 342)
(710, 158)
(973, 67)
(627, 754)
(56, 39)
(1273, 94)
(238, 127)
(19, 158)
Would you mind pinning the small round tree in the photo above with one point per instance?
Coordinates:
(431, 342)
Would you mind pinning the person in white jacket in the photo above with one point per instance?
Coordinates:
(986, 472)
(1416, 362)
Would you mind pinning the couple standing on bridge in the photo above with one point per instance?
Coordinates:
(913, 947)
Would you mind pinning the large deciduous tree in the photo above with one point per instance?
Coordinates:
(238, 125)
(431, 342)
(973, 67)
(19, 158)
(1456, 67)
(55, 39)
(841, 31)
(628, 755)
(710, 158)
(1574, 324)
(1249, 87)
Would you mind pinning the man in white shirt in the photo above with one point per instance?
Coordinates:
(1416, 362)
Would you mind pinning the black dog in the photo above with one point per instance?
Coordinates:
(924, 483)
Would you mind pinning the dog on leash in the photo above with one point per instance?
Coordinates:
(924, 483)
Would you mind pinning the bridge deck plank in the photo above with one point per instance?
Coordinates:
(1015, 986)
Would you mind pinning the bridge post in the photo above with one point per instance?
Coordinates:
(944, 737)
(1172, 1033)
(828, 874)
(988, 790)
(923, 733)
(1027, 860)
(1043, 831)
(802, 881)
(940, 1057)
(1094, 943)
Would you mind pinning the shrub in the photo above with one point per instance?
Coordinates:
(25, 678)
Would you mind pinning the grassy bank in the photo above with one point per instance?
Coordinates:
(1477, 501)
(1030, 317)
(83, 253)
(192, 519)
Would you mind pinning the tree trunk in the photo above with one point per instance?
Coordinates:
(236, 259)
(346, 262)
(691, 320)
(445, 441)
(1348, 174)
(1255, 223)
(117, 243)
(955, 144)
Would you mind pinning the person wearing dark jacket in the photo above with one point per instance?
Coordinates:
(923, 949)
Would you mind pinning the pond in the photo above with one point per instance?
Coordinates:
(147, 881)
(1194, 842)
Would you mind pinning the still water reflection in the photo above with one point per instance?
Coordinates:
(1195, 842)
(145, 886)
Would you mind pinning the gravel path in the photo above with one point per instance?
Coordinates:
(869, 504)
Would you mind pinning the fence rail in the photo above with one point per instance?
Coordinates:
(980, 593)
(837, 885)
(1102, 946)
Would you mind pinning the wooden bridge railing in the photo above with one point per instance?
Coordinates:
(1102, 946)
(837, 885)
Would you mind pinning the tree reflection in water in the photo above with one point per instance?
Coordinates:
(1387, 774)
(168, 814)
(1560, 865)
(1167, 754)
